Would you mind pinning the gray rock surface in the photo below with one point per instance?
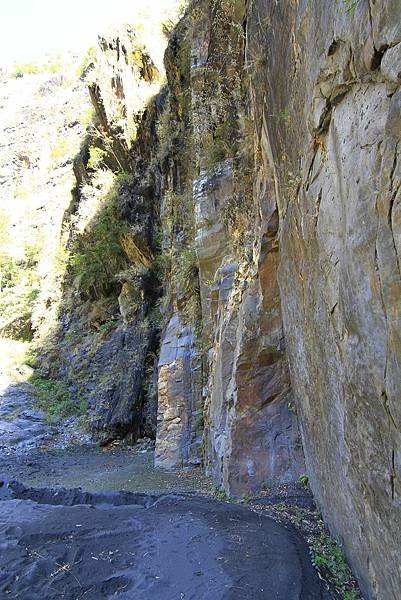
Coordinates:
(179, 401)
(22, 425)
(332, 146)
(135, 545)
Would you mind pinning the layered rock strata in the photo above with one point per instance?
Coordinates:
(315, 282)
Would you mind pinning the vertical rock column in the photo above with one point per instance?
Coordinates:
(180, 403)
(251, 433)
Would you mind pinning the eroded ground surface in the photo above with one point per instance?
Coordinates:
(166, 543)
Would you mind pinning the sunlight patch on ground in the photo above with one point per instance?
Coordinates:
(13, 355)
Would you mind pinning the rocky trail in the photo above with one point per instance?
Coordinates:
(155, 538)
(40, 454)
(22, 426)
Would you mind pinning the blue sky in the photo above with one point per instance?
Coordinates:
(30, 28)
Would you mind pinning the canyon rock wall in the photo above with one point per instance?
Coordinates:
(326, 95)
(251, 435)
(300, 287)
(262, 210)
(104, 341)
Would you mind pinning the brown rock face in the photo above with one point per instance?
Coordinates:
(332, 142)
(301, 307)
(251, 436)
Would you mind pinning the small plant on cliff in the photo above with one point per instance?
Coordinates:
(219, 144)
(329, 559)
(87, 61)
(350, 6)
(22, 69)
(304, 479)
(187, 271)
(96, 157)
(60, 150)
(55, 399)
(165, 133)
(257, 61)
(167, 27)
(86, 117)
(221, 495)
(186, 274)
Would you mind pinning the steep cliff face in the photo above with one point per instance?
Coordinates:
(311, 92)
(251, 435)
(255, 238)
(327, 98)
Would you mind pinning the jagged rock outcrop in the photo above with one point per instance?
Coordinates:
(105, 343)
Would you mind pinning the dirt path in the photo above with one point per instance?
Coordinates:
(166, 543)
(138, 546)
(38, 454)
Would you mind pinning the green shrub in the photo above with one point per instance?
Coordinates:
(22, 69)
(88, 59)
(107, 326)
(214, 148)
(60, 149)
(54, 66)
(99, 255)
(186, 275)
(330, 561)
(304, 479)
(187, 271)
(221, 495)
(86, 117)
(55, 399)
(350, 6)
(96, 157)
(162, 264)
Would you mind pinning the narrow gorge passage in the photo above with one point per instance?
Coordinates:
(200, 299)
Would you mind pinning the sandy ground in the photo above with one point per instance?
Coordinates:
(156, 538)
(139, 546)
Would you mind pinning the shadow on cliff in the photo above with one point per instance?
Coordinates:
(104, 341)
